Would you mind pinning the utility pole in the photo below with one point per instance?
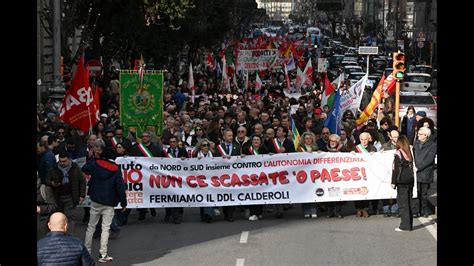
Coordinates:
(56, 42)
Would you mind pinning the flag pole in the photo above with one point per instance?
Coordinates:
(90, 121)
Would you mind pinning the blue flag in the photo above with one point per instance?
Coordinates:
(331, 121)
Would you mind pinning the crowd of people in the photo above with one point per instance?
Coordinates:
(218, 122)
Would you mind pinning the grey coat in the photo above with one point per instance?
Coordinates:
(424, 154)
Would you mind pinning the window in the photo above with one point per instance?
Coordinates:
(416, 100)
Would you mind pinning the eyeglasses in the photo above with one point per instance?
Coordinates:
(325, 133)
(240, 131)
(60, 132)
(205, 145)
(333, 141)
(198, 129)
(145, 136)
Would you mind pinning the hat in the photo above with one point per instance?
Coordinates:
(317, 111)
(103, 115)
(421, 113)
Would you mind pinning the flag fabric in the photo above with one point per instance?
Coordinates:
(351, 98)
(328, 93)
(258, 82)
(210, 62)
(225, 77)
(308, 72)
(218, 70)
(287, 78)
(191, 81)
(234, 80)
(78, 107)
(389, 84)
(296, 134)
(300, 78)
(290, 65)
(374, 102)
(246, 86)
(190, 77)
(331, 121)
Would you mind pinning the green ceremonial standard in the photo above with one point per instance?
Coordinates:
(141, 103)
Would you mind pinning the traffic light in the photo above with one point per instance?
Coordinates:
(62, 67)
(399, 65)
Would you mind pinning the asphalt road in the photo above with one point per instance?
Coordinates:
(291, 240)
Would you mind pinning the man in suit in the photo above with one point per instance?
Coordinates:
(227, 149)
(145, 149)
(174, 151)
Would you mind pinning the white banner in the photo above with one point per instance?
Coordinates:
(257, 179)
(352, 97)
(257, 60)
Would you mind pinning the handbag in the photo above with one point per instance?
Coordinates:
(405, 173)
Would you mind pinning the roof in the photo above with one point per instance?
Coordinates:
(415, 93)
(419, 74)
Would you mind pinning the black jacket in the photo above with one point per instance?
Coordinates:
(156, 150)
(287, 144)
(407, 173)
(58, 248)
(181, 152)
(424, 160)
(235, 149)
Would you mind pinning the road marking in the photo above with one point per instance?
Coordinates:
(429, 227)
(243, 237)
(240, 262)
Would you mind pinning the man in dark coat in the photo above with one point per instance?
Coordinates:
(106, 190)
(424, 151)
(227, 149)
(174, 151)
(69, 186)
(57, 248)
(144, 149)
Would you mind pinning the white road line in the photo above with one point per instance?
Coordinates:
(243, 237)
(240, 262)
(433, 231)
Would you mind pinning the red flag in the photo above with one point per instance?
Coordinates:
(78, 107)
(210, 62)
(308, 71)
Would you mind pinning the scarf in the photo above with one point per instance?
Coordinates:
(65, 172)
(201, 154)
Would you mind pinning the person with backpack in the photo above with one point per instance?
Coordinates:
(403, 180)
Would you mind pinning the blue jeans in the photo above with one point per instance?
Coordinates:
(390, 207)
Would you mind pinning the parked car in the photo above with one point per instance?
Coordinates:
(423, 69)
(349, 69)
(422, 101)
(354, 77)
(416, 82)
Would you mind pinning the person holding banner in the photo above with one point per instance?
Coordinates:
(307, 144)
(145, 149)
(335, 208)
(174, 151)
(202, 150)
(255, 148)
(227, 149)
(281, 144)
(364, 147)
(403, 180)
(424, 152)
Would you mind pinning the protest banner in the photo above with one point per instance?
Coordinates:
(257, 179)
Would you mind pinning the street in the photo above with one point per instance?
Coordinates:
(291, 240)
